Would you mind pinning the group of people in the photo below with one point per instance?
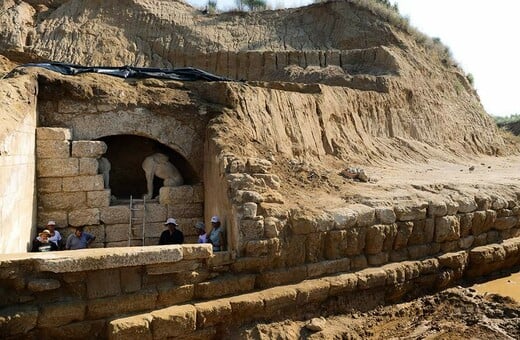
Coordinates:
(215, 236)
(50, 239)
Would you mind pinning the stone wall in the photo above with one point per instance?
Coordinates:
(362, 291)
(77, 292)
(17, 164)
(70, 190)
(290, 246)
(165, 291)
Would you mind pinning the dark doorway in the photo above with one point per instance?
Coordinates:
(126, 154)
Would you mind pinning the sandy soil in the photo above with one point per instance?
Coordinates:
(457, 313)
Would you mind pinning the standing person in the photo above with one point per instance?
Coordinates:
(172, 235)
(201, 231)
(216, 235)
(55, 235)
(42, 242)
(79, 239)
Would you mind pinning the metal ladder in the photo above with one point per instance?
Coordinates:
(131, 228)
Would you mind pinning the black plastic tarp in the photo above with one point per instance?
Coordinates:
(183, 74)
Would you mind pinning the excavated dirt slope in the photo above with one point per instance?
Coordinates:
(399, 97)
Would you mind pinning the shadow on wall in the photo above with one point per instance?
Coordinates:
(126, 154)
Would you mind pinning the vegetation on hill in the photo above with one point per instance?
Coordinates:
(511, 124)
(514, 118)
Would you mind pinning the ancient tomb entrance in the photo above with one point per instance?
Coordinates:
(126, 154)
(72, 193)
(182, 201)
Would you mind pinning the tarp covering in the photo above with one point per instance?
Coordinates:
(183, 74)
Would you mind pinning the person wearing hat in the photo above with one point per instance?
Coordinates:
(201, 231)
(79, 239)
(55, 235)
(172, 235)
(42, 242)
(216, 235)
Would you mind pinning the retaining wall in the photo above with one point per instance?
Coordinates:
(186, 290)
(362, 290)
(17, 164)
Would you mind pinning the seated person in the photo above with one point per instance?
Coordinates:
(55, 235)
(201, 231)
(216, 235)
(172, 235)
(42, 242)
(79, 239)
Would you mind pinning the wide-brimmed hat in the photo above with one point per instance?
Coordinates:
(171, 221)
(215, 219)
(46, 232)
(200, 225)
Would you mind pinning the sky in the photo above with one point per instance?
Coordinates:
(483, 35)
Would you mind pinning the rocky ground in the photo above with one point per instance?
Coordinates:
(457, 313)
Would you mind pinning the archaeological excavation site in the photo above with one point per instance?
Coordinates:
(355, 173)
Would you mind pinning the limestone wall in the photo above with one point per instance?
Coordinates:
(70, 190)
(17, 164)
(77, 292)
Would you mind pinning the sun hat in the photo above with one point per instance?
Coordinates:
(200, 225)
(171, 221)
(215, 219)
(46, 232)
(51, 223)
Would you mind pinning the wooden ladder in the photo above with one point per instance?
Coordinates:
(132, 230)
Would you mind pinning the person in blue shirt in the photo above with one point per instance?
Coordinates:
(216, 235)
(79, 240)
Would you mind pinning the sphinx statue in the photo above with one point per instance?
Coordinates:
(159, 165)
(104, 169)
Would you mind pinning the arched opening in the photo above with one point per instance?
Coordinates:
(126, 154)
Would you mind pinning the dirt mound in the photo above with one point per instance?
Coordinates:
(452, 314)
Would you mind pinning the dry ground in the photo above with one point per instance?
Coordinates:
(392, 181)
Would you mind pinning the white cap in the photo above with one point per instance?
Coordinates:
(171, 221)
(215, 219)
(51, 223)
